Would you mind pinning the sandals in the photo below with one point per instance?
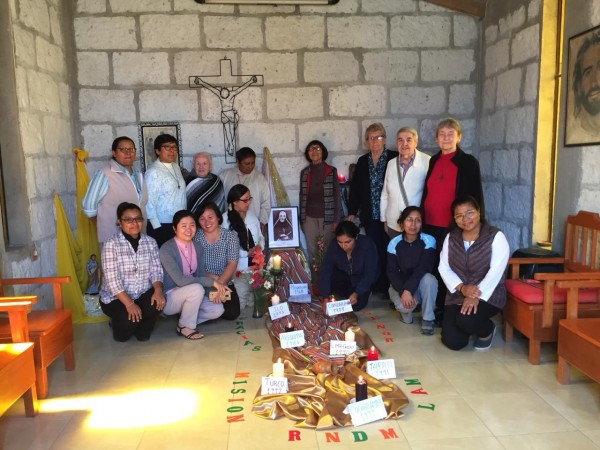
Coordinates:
(193, 336)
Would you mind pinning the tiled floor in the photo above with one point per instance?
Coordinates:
(170, 393)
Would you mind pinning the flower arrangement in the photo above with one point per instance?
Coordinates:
(319, 255)
(257, 274)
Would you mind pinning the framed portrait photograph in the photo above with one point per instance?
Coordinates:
(582, 124)
(149, 131)
(283, 227)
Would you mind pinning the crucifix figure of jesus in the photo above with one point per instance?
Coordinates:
(226, 87)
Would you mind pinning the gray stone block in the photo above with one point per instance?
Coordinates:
(277, 68)
(336, 135)
(516, 19)
(345, 7)
(506, 165)
(64, 93)
(267, 9)
(184, 31)
(201, 137)
(92, 68)
(32, 137)
(335, 67)
(294, 103)
(56, 32)
(509, 88)
(489, 94)
(43, 92)
(132, 132)
(357, 32)
(492, 195)
(496, 57)
(43, 225)
(520, 125)
(21, 87)
(104, 105)
(388, 6)
(97, 140)
(35, 15)
(24, 43)
(146, 6)
(420, 31)
(168, 105)
(512, 233)
(391, 66)
(466, 31)
(491, 34)
(447, 65)
(526, 44)
(462, 99)
(342, 162)
(186, 5)
(91, 6)
(424, 5)
(427, 135)
(418, 100)
(291, 33)
(280, 139)
(590, 167)
(233, 32)
(526, 168)
(518, 200)
(468, 136)
(57, 135)
(493, 128)
(201, 63)
(135, 68)
(485, 163)
(357, 101)
(530, 93)
(533, 9)
(105, 33)
(248, 104)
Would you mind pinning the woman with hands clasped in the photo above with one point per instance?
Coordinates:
(185, 278)
(472, 264)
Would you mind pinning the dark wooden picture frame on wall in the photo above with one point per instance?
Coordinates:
(150, 131)
(582, 122)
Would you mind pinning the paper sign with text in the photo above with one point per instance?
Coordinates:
(292, 339)
(274, 385)
(338, 307)
(382, 369)
(342, 348)
(299, 293)
(279, 311)
(367, 411)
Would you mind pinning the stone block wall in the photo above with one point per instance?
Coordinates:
(511, 46)
(329, 71)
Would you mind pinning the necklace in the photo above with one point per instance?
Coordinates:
(172, 174)
(188, 259)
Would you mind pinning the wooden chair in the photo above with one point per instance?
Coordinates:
(17, 368)
(534, 307)
(50, 330)
(578, 339)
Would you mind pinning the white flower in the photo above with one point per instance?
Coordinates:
(267, 284)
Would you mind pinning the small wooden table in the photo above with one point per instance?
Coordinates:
(578, 345)
(17, 377)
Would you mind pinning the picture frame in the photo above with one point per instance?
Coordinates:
(284, 233)
(150, 131)
(582, 118)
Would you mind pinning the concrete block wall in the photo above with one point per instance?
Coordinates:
(44, 100)
(511, 47)
(329, 71)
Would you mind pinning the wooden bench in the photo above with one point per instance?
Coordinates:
(17, 369)
(535, 307)
(50, 330)
(578, 339)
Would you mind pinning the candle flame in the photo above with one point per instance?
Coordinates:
(278, 360)
(360, 379)
(372, 348)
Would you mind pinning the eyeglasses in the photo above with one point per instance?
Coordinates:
(315, 148)
(245, 200)
(130, 220)
(169, 147)
(466, 215)
(376, 138)
(414, 220)
(126, 149)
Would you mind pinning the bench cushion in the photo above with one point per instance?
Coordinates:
(532, 292)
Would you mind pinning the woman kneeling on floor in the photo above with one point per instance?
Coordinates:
(472, 264)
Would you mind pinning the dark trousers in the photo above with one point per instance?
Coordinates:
(457, 327)
(439, 233)
(376, 231)
(122, 327)
(341, 288)
(162, 234)
(232, 307)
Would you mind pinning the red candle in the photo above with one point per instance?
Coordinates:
(289, 327)
(341, 178)
(372, 354)
(361, 389)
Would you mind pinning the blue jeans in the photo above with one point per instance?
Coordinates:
(425, 295)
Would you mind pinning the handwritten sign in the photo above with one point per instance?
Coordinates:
(367, 411)
(279, 311)
(292, 339)
(274, 385)
(343, 348)
(299, 293)
(382, 369)
(338, 307)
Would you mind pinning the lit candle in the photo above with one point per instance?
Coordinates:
(331, 299)
(372, 354)
(349, 335)
(289, 327)
(361, 389)
(276, 262)
(275, 300)
(341, 178)
(278, 368)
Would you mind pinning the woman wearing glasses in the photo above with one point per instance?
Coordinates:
(132, 289)
(120, 181)
(350, 267)
(245, 224)
(166, 189)
(411, 259)
(472, 264)
(365, 195)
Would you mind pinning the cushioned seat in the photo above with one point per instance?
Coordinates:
(532, 292)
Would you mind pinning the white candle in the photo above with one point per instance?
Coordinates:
(349, 335)
(278, 368)
(275, 300)
(276, 262)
